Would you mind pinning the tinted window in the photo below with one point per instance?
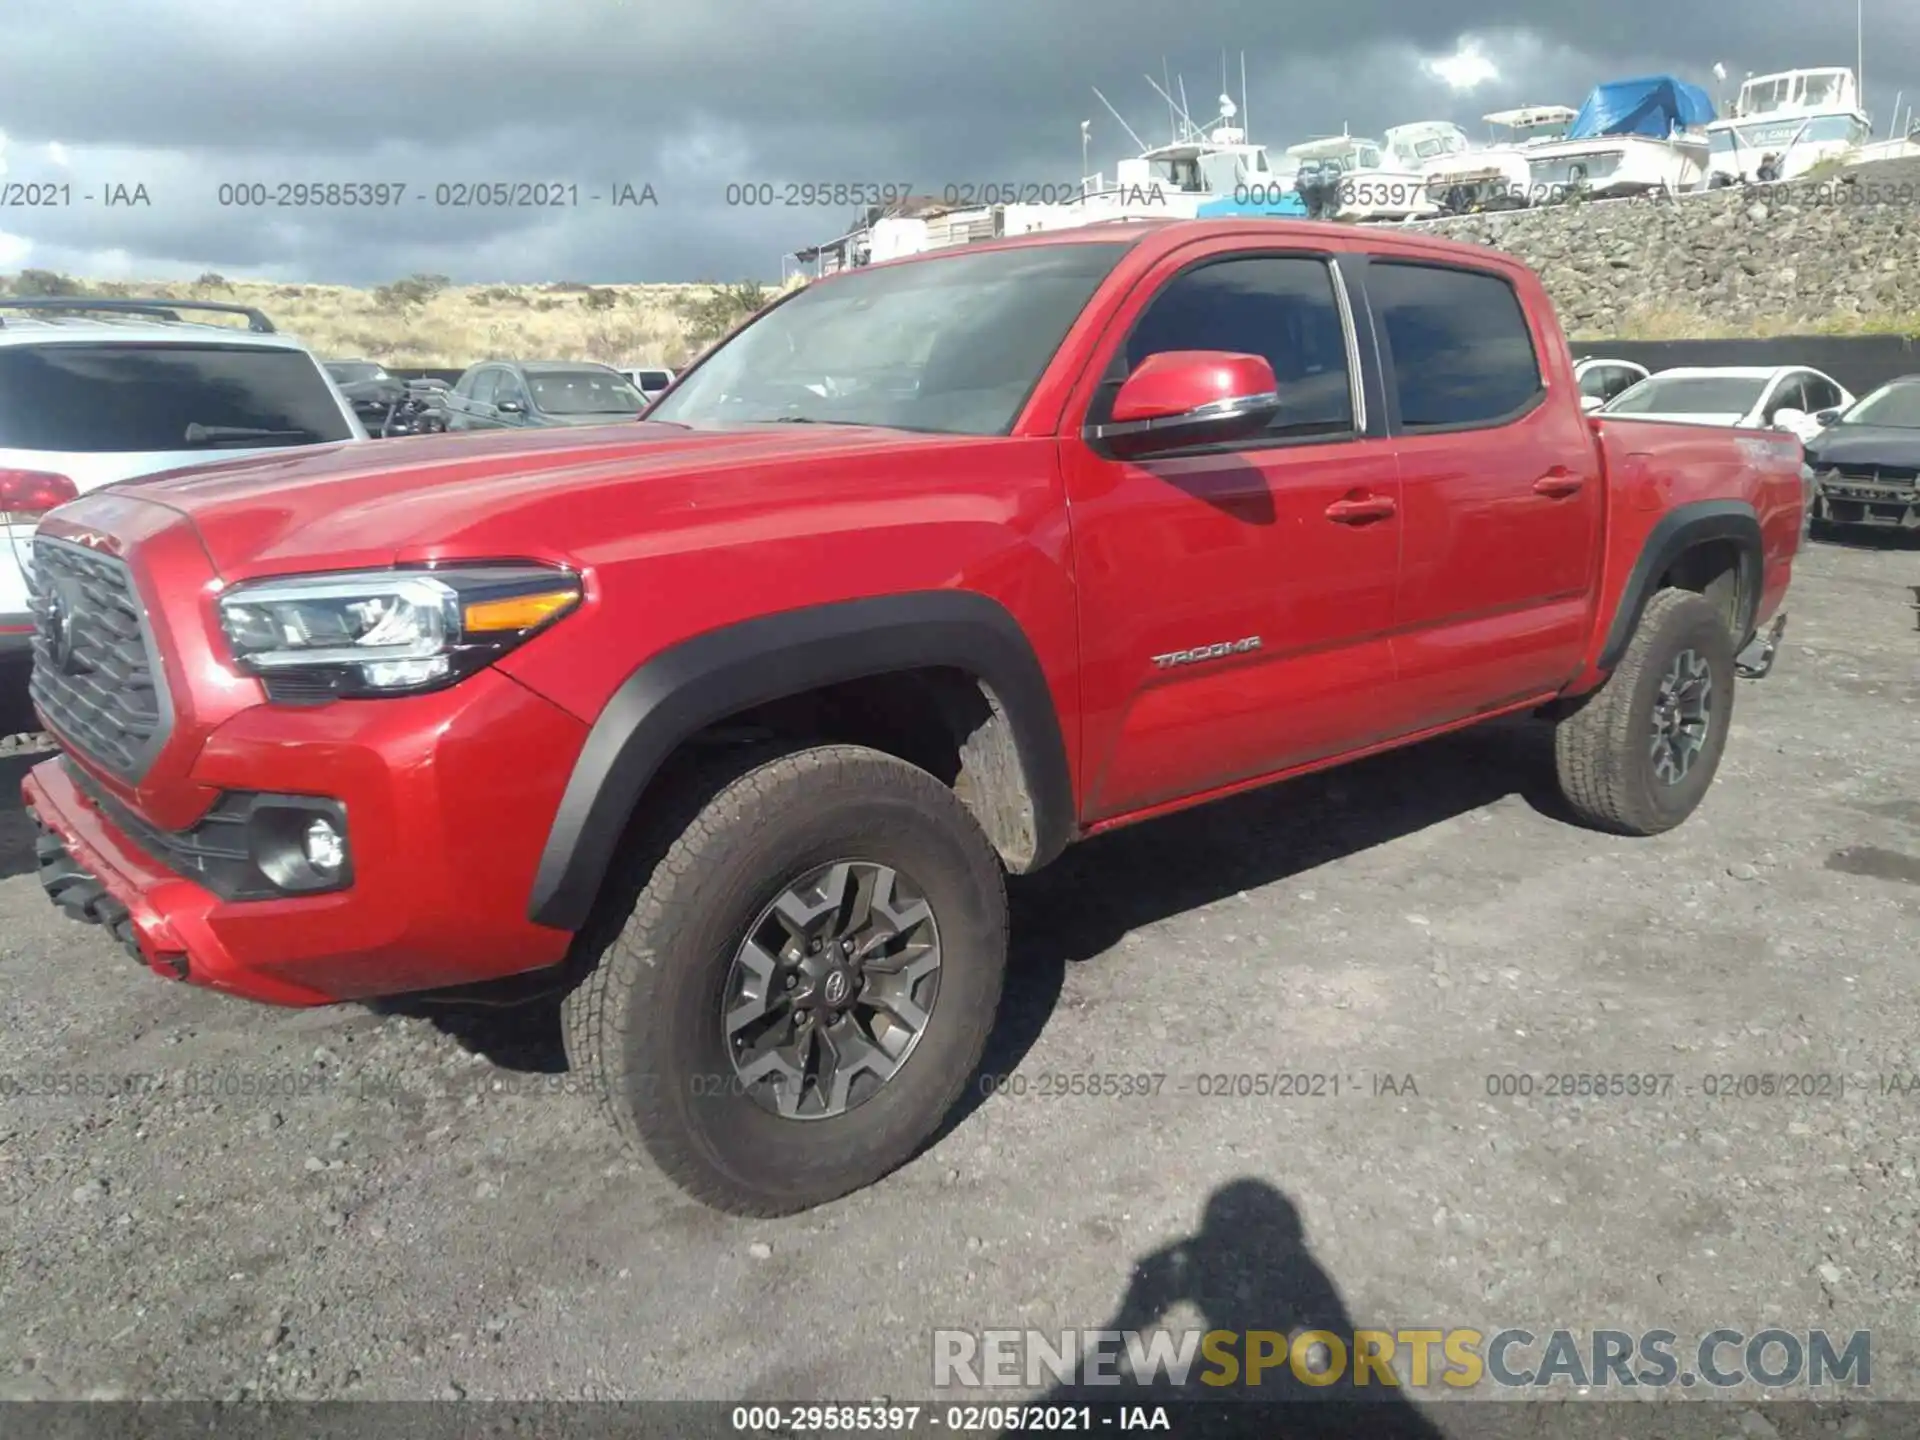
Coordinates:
(654, 379)
(1822, 394)
(1593, 380)
(1786, 395)
(584, 392)
(1279, 307)
(507, 390)
(483, 386)
(126, 398)
(1620, 379)
(1462, 353)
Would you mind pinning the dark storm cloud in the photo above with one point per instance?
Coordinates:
(184, 96)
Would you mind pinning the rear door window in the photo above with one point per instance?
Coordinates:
(1462, 352)
(128, 397)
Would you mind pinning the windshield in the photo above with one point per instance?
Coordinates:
(352, 372)
(952, 344)
(584, 392)
(1690, 395)
(131, 398)
(1897, 404)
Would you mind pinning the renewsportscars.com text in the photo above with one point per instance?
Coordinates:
(1457, 1358)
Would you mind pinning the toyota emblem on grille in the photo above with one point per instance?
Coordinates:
(56, 626)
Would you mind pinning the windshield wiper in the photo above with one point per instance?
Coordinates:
(198, 434)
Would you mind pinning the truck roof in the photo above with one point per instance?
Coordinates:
(1157, 237)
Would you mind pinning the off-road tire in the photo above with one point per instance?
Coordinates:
(644, 1022)
(1603, 749)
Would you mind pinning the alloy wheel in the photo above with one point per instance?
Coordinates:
(831, 990)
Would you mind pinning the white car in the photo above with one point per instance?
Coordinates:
(94, 391)
(1601, 378)
(650, 383)
(1759, 397)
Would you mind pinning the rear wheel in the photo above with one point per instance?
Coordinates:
(805, 982)
(1638, 755)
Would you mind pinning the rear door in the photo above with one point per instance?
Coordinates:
(1234, 621)
(1502, 487)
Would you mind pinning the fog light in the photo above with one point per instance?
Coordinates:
(325, 847)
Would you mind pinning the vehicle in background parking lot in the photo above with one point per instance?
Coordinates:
(95, 391)
(1758, 397)
(386, 404)
(650, 383)
(532, 394)
(725, 727)
(1866, 462)
(1601, 379)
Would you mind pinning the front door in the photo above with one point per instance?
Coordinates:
(1236, 601)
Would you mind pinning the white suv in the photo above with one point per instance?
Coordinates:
(94, 391)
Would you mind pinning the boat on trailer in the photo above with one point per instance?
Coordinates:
(1497, 176)
(1355, 177)
(1787, 124)
(1631, 137)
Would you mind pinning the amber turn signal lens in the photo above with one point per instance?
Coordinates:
(519, 612)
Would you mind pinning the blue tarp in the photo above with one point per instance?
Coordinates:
(1287, 204)
(1651, 105)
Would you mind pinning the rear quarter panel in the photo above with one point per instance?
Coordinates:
(1657, 468)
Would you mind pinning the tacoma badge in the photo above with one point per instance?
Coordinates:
(1206, 652)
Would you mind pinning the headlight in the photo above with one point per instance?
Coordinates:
(386, 632)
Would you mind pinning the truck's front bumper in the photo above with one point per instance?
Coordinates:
(446, 799)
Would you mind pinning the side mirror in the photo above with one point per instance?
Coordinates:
(510, 407)
(1788, 418)
(1824, 418)
(1190, 397)
(1591, 403)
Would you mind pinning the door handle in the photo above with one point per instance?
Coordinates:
(1557, 482)
(1354, 512)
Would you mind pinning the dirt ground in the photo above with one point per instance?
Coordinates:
(339, 1203)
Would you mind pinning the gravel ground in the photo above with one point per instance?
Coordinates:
(340, 1203)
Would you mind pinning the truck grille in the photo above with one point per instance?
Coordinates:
(96, 675)
(1875, 474)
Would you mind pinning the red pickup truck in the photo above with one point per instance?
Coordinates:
(728, 723)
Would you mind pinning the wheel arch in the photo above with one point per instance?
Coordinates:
(1696, 546)
(1013, 775)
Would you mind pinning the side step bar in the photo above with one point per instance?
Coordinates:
(1756, 660)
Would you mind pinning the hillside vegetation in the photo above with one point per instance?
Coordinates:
(426, 320)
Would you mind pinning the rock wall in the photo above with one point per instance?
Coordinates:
(1801, 257)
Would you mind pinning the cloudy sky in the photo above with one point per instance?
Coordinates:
(182, 97)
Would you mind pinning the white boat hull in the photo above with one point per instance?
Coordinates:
(1616, 165)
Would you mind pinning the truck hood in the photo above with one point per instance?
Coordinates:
(507, 494)
(1864, 445)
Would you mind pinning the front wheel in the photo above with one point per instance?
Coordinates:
(1638, 755)
(805, 982)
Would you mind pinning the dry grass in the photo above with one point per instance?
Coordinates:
(411, 323)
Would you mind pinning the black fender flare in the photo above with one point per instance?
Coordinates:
(1675, 533)
(699, 681)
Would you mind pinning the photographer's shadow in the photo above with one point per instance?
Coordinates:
(1248, 1269)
